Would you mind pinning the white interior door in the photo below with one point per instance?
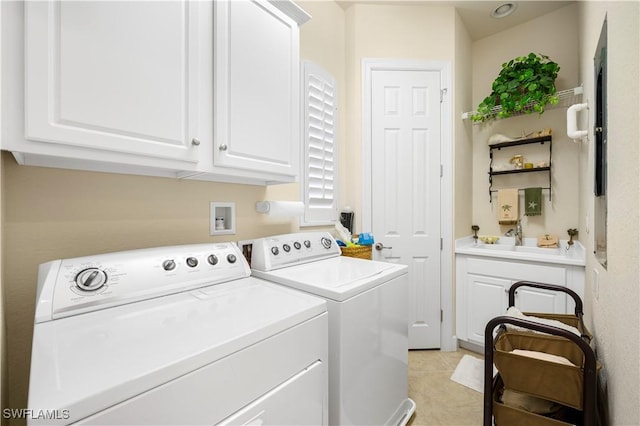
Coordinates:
(405, 187)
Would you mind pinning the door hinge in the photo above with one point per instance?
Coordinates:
(441, 316)
(441, 170)
(441, 244)
(442, 93)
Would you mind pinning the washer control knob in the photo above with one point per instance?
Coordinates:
(212, 259)
(275, 250)
(297, 245)
(91, 279)
(169, 265)
(231, 258)
(307, 244)
(326, 242)
(286, 248)
(192, 262)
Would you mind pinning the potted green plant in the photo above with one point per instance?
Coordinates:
(525, 84)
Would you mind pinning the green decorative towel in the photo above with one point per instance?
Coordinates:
(532, 201)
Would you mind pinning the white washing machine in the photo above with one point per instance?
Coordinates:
(174, 335)
(368, 323)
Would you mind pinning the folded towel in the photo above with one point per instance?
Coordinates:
(529, 403)
(546, 240)
(533, 201)
(507, 206)
(543, 356)
(515, 312)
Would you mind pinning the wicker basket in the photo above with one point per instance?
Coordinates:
(361, 252)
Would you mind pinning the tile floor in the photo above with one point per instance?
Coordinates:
(439, 400)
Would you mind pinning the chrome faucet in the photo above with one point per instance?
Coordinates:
(518, 233)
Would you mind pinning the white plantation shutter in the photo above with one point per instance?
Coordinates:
(319, 183)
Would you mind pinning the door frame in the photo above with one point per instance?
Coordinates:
(448, 341)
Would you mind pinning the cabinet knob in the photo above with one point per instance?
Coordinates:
(195, 141)
(222, 147)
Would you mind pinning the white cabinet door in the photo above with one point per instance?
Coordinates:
(529, 299)
(256, 125)
(114, 76)
(486, 298)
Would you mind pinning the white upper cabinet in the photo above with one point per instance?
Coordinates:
(169, 88)
(119, 77)
(257, 75)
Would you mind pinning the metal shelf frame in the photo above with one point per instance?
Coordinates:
(498, 146)
(566, 98)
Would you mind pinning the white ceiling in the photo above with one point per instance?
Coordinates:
(476, 14)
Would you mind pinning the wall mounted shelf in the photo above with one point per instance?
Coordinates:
(498, 146)
(566, 98)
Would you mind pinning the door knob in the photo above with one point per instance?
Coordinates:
(380, 246)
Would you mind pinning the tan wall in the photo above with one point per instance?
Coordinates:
(52, 213)
(463, 134)
(613, 315)
(323, 42)
(389, 32)
(553, 35)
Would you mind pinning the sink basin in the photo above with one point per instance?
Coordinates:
(541, 250)
(508, 247)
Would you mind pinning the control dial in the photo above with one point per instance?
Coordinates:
(91, 279)
(169, 265)
(307, 243)
(212, 259)
(231, 258)
(192, 262)
(275, 250)
(286, 247)
(326, 242)
(297, 245)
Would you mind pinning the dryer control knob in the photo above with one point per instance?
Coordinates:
(326, 242)
(286, 248)
(275, 250)
(192, 262)
(169, 265)
(231, 258)
(297, 245)
(307, 244)
(91, 279)
(212, 259)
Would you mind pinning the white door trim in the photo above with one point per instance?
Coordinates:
(448, 341)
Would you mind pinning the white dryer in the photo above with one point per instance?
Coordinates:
(174, 335)
(368, 323)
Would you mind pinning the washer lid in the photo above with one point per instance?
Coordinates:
(86, 363)
(337, 278)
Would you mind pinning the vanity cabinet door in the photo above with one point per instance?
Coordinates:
(112, 77)
(529, 299)
(256, 125)
(486, 299)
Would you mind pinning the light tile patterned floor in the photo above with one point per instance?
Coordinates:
(439, 400)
